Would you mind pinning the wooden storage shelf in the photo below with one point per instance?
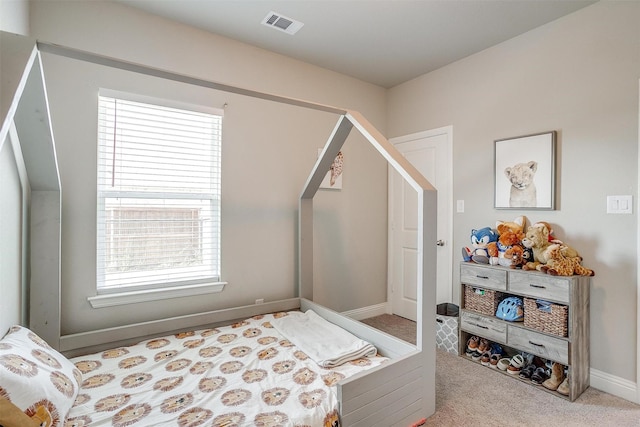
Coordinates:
(570, 291)
(515, 377)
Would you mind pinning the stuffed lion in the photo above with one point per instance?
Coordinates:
(539, 239)
(12, 416)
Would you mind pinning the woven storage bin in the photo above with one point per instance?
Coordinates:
(483, 301)
(552, 323)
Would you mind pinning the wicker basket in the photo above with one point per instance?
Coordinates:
(554, 322)
(483, 301)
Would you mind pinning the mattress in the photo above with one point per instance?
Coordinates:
(245, 374)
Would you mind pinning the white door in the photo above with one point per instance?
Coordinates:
(430, 152)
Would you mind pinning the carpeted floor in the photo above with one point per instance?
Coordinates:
(468, 394)
(397, 326)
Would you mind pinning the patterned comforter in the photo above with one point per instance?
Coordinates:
(245, 374)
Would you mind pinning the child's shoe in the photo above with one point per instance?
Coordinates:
(564, 387)
(472, 345)
(556, 378)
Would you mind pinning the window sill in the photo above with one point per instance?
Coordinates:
(134, 297)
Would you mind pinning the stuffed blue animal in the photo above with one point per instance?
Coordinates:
(480, 241)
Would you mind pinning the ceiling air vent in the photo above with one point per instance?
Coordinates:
(282, 23)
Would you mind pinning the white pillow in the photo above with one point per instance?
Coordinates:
(34, 374)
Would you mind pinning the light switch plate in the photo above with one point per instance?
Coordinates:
(620, 204)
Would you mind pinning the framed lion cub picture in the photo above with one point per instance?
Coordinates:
(525, 172)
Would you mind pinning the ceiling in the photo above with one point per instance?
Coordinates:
(384, 42)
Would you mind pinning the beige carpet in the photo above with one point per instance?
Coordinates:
(468, 393)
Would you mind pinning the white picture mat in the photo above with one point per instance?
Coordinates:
(509, 152)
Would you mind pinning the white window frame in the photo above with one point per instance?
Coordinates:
(117, 295)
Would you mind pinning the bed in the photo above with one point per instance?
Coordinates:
(397, 392)
(248, 373)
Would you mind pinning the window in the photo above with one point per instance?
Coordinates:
(158, 222)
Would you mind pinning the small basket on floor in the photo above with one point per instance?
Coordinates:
(447, 327)
(552, 322)
(483, 301)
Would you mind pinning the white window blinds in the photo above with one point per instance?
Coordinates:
(158, 218)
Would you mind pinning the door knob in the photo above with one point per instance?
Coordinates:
(440, 242)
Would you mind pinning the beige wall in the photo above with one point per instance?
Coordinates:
(268, 152)
(14, 16)
(579, 76)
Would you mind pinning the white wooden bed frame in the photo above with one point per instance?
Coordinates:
(398, 393)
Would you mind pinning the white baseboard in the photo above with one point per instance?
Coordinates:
(614, 385)
(366, 312)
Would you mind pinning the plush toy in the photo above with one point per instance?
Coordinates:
(12, 416)
(481, 240)
(562, 265)
(527, 256)
(518, 255)
(515, 255)
(517, 225)
(492, 250)
(548, 228)
(538, 238)
(507, 240)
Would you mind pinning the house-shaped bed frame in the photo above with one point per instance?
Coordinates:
(398, 393)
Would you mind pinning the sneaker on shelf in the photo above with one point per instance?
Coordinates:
(484, 345)
(527, 371)
(503, 363)
(496, 349)
(493, 360)
(528, 358)
(485, 359)
(539, 362)
(539, 376)
(516, 365)
(472, 345)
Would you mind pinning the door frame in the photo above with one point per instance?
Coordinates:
(448, 131)
(638, 271)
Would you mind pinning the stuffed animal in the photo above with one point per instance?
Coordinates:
(517, 225)
(507, 240)
(12, 416)
(492, 250)
(562, 265)
(506, 228)
(547, 226)
(527, 256)
(538, 238)
(481, 240)
(551, 238)
(515, 255)
(492, 258)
